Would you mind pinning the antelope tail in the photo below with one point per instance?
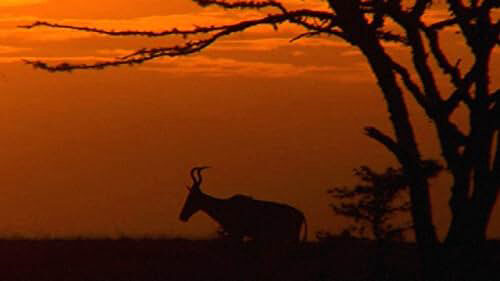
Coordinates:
(304, 237)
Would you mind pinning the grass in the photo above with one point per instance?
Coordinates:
(148, 259)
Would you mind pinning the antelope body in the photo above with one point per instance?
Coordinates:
(242, 216)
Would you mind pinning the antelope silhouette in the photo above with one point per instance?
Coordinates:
(241, 216)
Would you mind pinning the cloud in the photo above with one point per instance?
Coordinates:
(267, 44)
(40, 36)
(351, 53)
(82, 59)
(298, 53)
(435, 15)
(221, 67)
(306, 4)
(9, 49)
(10, 3)
(114, 52)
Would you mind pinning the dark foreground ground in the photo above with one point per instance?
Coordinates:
(176, 259)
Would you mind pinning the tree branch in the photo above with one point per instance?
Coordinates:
(463, 16)
(494, 112)
(419, 58)
(442, 24)
(384, 139)
(327, 24)
(137, 57)
(496, 162)
(495, 96)
(305, 35)
(391, 37)
(174, 31)
(461, 92)
(466, 15)
(297, 17)
(241, 4)
(419, 8)
(413, 87)
(446, 66)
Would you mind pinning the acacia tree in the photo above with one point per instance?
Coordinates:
(376, 199)
(472, 156)
(373, 203)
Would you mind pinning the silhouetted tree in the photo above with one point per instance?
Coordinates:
(471, 155)
(374, 203)
(371, 203)
(377, 199)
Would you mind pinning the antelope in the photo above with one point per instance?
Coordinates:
(241, 216)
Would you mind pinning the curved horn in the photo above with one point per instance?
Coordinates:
(199, 169)
(192, 175)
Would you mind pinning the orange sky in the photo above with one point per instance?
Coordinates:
(108, 152)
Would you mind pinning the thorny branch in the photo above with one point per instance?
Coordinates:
(443, 62)
(320, 23)
(242, 4)
(314, 22)
(173, 31)
(412, 86)
(386, 140)
(298, 17)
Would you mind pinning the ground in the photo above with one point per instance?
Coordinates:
(179, 259)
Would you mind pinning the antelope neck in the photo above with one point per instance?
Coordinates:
(211, 205)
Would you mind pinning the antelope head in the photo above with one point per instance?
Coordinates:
(193, 200)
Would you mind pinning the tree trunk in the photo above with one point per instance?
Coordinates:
(419, 188)
(465, 245)
(466, 238)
